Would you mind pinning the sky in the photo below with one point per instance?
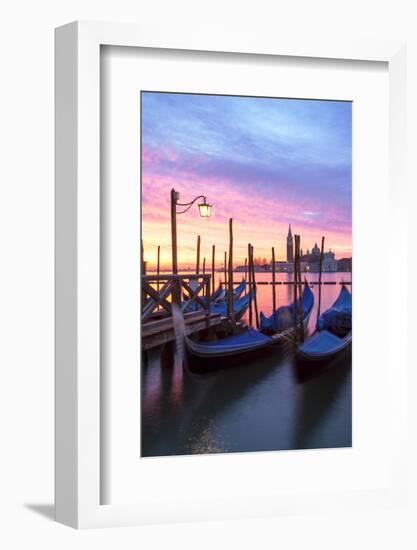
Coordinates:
(265, 162)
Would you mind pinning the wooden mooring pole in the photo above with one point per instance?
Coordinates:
(213, 268)
(300, 291)
(250, 284)
(246, 275)
(320, 272)
(197, 267)
(208, 305)
(295, 313)
(158, 268)
(142, 272)
(176, 292)
(274, 298)
(142, 259)
(230, 311)
(255, 299)
(225, 271)
(205, 286)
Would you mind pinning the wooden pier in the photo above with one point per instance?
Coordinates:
(187, 291)
(159, 332)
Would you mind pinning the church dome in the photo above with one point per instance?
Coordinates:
(315, 249)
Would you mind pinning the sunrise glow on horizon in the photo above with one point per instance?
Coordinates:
(264, 162)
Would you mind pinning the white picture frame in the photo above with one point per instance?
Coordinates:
(78, 254)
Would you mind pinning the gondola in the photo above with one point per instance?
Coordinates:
(218, 297)
(283, 317)
(220, 294)
(238, 291)
(240, 305)
(333, 333)
(204, 355)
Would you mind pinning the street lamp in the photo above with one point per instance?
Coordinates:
(204, 209)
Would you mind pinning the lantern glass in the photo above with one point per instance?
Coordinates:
(205, 209)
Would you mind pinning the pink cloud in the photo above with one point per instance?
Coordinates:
(258, 218)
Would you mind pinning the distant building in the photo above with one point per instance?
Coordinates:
(315, 250)
(257, 267)
(284, 267)
(290, 246)
(345, 265)
(329, 261)
(309, 262)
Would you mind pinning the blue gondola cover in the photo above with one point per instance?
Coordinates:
(283, 317)
(338, 318)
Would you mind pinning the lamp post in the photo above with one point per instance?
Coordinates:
(204, 209)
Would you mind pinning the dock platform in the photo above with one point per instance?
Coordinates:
(161, 331)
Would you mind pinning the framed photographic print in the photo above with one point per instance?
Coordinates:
(221, 210)
(243, 153)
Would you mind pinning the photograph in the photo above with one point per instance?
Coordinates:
(246, 273)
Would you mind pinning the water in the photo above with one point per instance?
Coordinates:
(263, 405)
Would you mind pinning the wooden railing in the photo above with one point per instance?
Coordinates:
(160, 291)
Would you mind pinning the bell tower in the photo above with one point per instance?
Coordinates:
(290, 246)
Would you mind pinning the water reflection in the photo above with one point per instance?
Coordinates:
(267, 404)
(323, 408)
